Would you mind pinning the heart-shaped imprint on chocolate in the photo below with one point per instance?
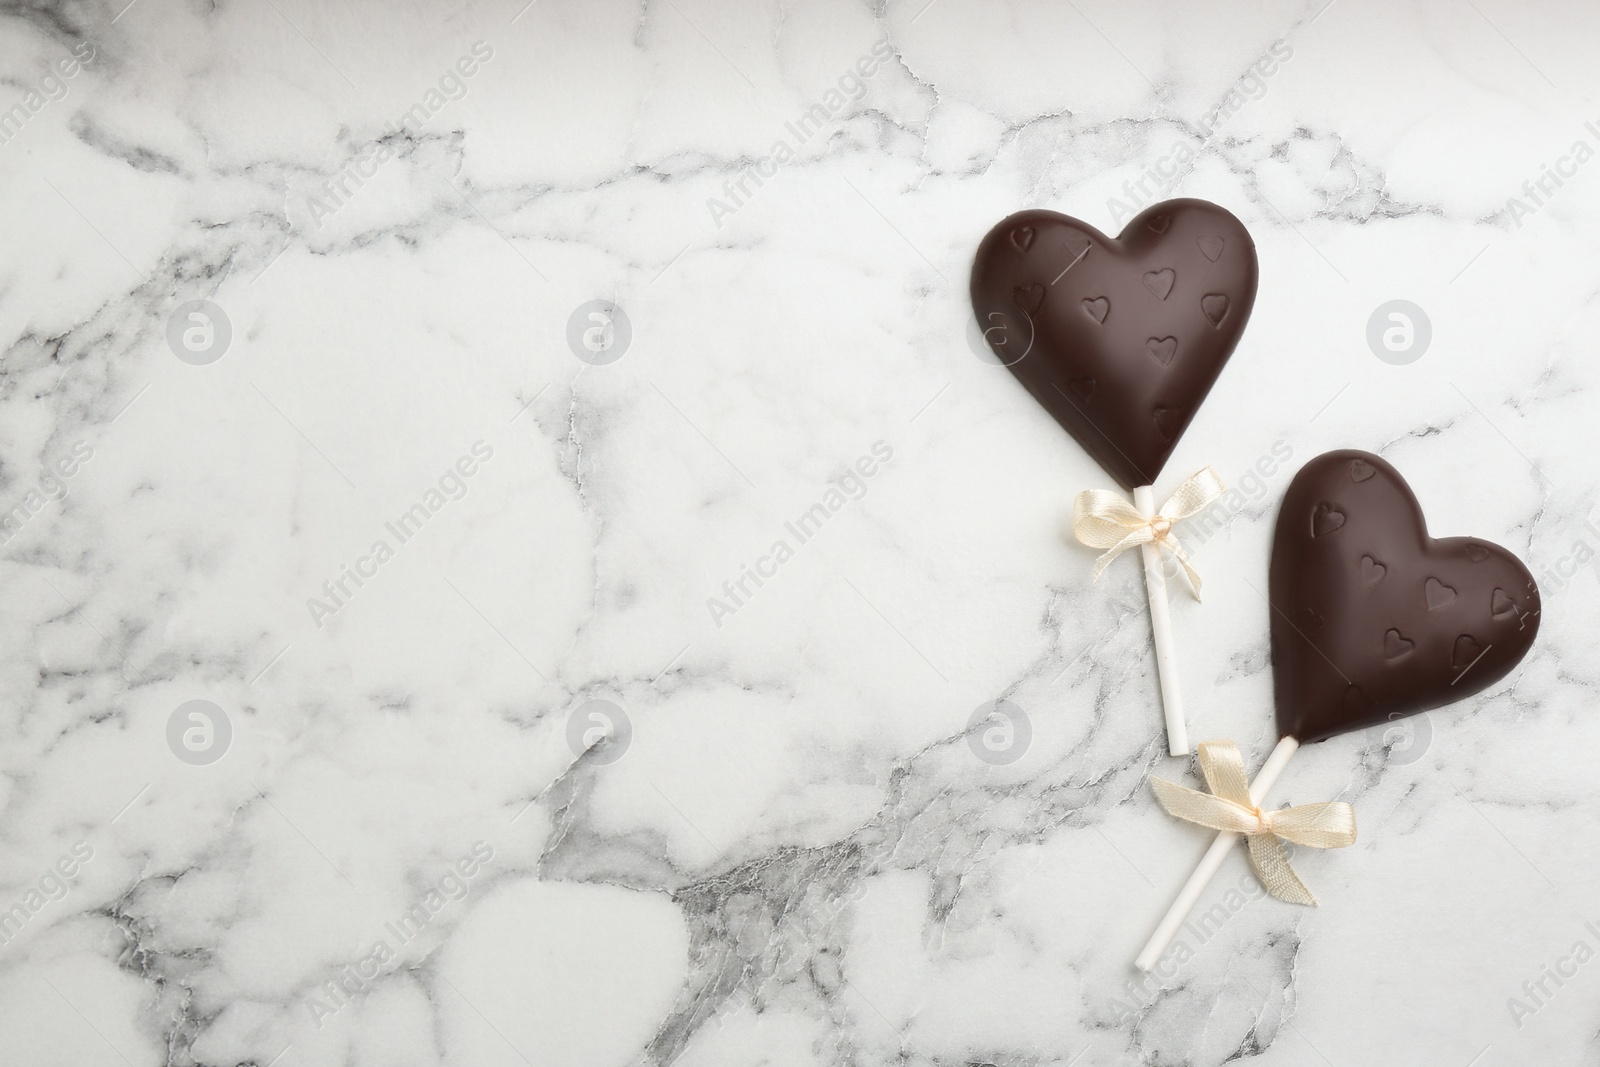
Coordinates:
(1406, 622)
(1151, 315)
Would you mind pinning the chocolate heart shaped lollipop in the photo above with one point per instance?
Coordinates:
(1120, 339)
(1373, 619)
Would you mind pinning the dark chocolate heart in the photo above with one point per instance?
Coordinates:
(1406, 622)
(1148, 317)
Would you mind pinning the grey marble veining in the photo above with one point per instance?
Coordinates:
(510, 541)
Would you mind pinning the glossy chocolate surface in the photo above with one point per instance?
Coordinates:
(1372, 619)
(1120, 339)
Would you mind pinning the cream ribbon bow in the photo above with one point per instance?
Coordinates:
(1331, 824)
(1105, 519)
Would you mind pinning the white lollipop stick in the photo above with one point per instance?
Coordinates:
(1155, 586)
(1189, 896)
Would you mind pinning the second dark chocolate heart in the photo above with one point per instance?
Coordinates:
(1120, 339)
(1373, 619)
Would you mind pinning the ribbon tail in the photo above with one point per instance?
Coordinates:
(1272, 868)
(1137, 537)
(1331, 824)
(1101, 563)
(1182, 557)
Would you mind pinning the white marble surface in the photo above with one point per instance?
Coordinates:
(796, 856)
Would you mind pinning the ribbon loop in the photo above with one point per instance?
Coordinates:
(1330, 824)
(1105, 519)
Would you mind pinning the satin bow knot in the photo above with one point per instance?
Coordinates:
(1330, 824)
(1105, 519)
